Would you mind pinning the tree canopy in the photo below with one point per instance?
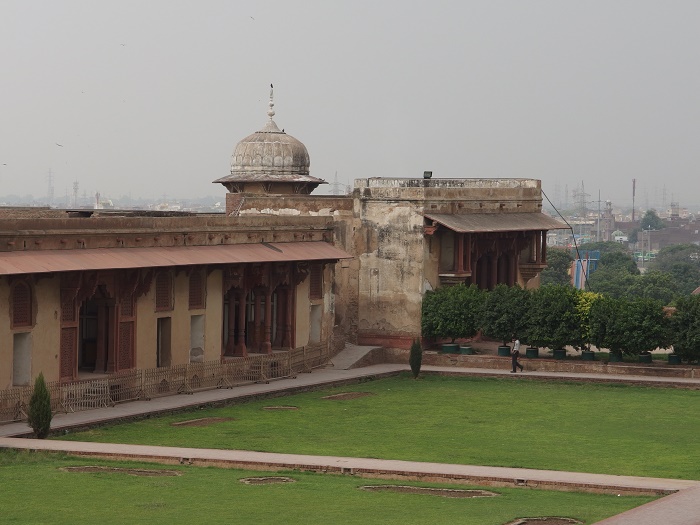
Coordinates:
(505, 313)
(651, 221)
(558, 267)
(682, 263)
(553, 321)
(685, 327)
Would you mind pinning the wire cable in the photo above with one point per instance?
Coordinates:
(573, 236)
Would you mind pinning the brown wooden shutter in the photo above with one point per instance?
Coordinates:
(21, 305)
(196, 290)
(164, 292)
(316, 282)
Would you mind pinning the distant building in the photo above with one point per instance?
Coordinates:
(93, 293)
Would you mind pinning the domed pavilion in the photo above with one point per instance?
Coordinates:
(270, 162)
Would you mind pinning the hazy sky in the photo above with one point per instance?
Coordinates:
(150, 97)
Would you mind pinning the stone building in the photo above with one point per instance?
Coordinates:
(100, 292)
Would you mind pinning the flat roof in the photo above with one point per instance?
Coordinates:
(48, 261)
(496, 222)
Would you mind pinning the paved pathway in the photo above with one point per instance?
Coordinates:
(680, 508)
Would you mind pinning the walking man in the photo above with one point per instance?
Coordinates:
(514, 354)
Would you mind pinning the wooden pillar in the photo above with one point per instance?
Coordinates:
(279, 314)
(230, 340)
(289, 305)
(266, 346)
(459, 254)
(257, 322)
(112, 338)
(468, 254)
(493, 281)
(240, 348)
(101, 352)
(544, 246)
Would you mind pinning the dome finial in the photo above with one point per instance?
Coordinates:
(271, 112)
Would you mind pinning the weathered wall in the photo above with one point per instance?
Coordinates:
(391, 274)
(124, 232)
(398, 263)
(213, 317)
(303, 309)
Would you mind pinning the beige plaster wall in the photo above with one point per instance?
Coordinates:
(45, 341)
(181, 318)
(214, 315)
(391, 276)
(303, 312)
(45, 334)
(146, 330)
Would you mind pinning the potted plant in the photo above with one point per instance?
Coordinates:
(584, 302)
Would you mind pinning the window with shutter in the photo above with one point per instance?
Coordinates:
(196, 290)
(164, 292)
(316, 282)
(21, 305)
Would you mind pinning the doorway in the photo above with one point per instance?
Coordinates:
(21, 359)
(163, 344)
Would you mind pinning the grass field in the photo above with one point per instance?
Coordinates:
(36, 491)
(583, 427)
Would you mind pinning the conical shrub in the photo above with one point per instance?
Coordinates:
(39, 415)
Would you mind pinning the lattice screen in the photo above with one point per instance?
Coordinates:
(196, 290)
(316, 281)
(21, 305)
(164, 291)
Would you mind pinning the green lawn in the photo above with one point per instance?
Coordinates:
(584, 427)
(36, 491)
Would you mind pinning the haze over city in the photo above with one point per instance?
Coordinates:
(149, 98)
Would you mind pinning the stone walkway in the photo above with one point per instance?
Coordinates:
(680, 508)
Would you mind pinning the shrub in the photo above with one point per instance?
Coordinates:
(552, 321)
(505, 313)
(416, 357)
(452, 312)
(685, 324)
(39, 415)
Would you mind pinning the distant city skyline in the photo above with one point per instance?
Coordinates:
(150, 98)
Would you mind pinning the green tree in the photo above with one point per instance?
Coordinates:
(39, 413)
(452, 312)
(622, 260)
(505, 312)
(552, 319)
(645, 326)
(558, 267)
(614, 282)
(415, 358)
(605, 320)
(682, 263)
(685, 328)
(584, 304)
(654, 284)
(651, 221)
